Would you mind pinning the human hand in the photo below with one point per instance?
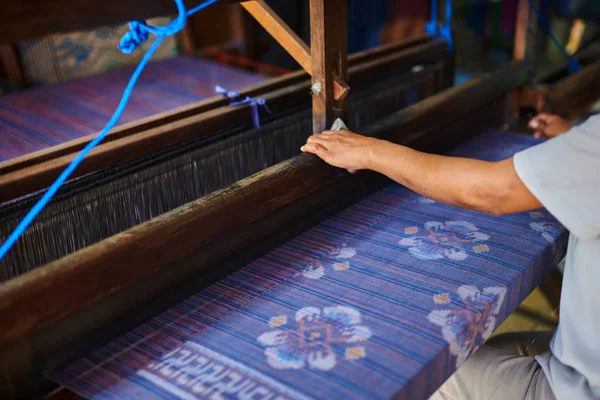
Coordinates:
(342, 149)
(548, 126)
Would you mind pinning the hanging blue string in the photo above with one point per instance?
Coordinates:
(446, 28)
(573, 63)
(445, 31)
(431, 28)
(138, 33)
(253, 102)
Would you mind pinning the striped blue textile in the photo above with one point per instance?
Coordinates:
(50, 115)
(386, 298)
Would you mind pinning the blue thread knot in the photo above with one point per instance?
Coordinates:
(254, 103)
(138, 33)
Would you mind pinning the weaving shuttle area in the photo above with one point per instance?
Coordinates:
(386, 298)
(42, 117)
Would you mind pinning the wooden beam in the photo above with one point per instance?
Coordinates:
(526, 42)
(36, 171)
(10, 62)
(25, 19)
(574, 95)
(328, 38)
(289, 40)
(281, 32)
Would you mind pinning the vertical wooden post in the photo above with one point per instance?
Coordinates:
(9, 61)
(527, 42)
(526, 45)
(329, 49)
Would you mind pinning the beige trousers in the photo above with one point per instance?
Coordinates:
(504, 368)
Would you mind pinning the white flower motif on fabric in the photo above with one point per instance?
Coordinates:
(450, 239)
(549, 230)
(338, 260)
(317, 339)
(463, 329)
(425, 200)
(314, 271)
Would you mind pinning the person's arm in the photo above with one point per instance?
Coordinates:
(490, 187)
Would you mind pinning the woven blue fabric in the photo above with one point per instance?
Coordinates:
(38, 118)
(386, 298)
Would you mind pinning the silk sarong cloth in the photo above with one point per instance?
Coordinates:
(387, 298)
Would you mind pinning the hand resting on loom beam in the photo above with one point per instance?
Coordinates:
(560, 174)
(490, 187)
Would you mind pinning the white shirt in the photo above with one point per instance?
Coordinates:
(564, 174)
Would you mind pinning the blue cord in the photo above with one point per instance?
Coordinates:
(431, 28)
(573, 63)
(131, 40)
(445, 31)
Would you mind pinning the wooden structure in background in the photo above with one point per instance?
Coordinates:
(553, 90)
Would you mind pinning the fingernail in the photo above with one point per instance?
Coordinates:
(533, 124)
(302, 148)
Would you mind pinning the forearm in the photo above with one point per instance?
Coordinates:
(459, 182)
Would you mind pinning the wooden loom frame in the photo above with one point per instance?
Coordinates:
(22, 344)
(48, 308)
(35, 171)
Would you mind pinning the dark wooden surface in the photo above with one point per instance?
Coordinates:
(575, 94)
(34, 172)
(554, 90)
(74, 296)
(569, 97)
(10, 65)
(30, 19)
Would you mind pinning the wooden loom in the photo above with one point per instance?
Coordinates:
(51, 312)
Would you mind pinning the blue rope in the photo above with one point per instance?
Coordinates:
(445, 31)
(573, 63)
(253, 102)
(138, 33)
(431, 28)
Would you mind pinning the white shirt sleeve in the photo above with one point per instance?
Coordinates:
(564, 174)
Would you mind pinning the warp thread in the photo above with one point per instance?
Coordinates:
(254, 103)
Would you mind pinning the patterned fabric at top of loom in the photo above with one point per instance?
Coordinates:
(387, 297)
(61, 57)
(42, 117)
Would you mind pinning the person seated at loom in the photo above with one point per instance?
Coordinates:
(561, 174)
